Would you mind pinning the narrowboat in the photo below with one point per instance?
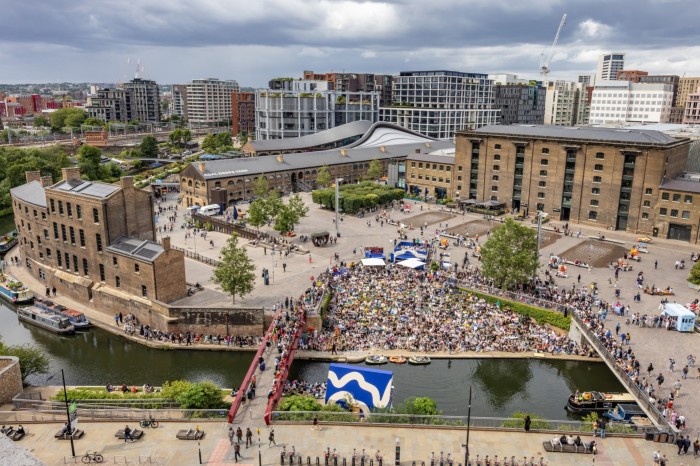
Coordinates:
(624, 412)
(7, 242)
(45, 319)
(598, 402)
(76, 318)
(14, 291)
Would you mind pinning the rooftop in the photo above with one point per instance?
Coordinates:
(86, 188)
(613, 135)
(139, 249)
(32, 192)
(356, 128)
(684, 185)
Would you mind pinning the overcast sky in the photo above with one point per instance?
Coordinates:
(257, 40)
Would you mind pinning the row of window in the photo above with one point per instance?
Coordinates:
(674, 213)
(436, 179)
(435, 166)
(688, 199)
(69, 210)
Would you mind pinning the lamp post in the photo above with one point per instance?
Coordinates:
(469, 419)
(259, 453)
(337, 203)
(65, 399)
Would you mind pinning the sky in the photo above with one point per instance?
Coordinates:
(254, 41)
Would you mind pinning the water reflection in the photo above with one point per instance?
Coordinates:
(510, 375)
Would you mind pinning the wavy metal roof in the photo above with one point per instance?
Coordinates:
(322, 138)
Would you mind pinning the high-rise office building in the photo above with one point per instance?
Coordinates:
(563, 103)
(519, 100)
(625, 101)
(439, 103)
(608, 66)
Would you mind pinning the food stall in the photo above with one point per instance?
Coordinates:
(685, 319)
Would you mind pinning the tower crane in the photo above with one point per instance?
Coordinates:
(546, 56)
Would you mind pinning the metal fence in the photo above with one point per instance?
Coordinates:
(197, 257)
(224, 226)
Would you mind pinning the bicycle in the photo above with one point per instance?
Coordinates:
(150, 422)
(90, 457)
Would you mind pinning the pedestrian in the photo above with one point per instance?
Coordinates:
(660, 380)
(248, 437)
(601, 426)
(696, 448)
(528, 421)
(671, 364)
(656, 265)
(231, 434)
(53, 290)
(284, 266)
(595, 428)
(686, 444)
(271, 438)
(679, 444)
(685, 372)
(650, 369)
(315, 424)
(48, 292)
(116, 319)
(617, 329)
(239, 434)
(127, 434)
(236, 451)
(629, 338)
(333, 349)
(677, 388)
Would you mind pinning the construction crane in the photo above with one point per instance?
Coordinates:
(546, 56)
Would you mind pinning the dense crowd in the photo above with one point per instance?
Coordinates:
(401, 309)
(302, 387)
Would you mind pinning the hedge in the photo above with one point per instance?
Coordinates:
(542, 316)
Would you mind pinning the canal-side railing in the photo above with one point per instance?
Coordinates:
(114, 414)
(519, 297)
(641, 397)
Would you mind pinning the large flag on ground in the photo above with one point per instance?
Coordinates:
(367, 388)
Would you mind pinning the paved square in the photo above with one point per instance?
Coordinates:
(594, 253)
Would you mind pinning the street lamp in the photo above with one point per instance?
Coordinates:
(337, 202)
(65, 399)
(469, 418)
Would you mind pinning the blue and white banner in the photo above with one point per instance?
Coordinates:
(364, 387)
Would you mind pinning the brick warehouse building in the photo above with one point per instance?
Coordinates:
(598, 176)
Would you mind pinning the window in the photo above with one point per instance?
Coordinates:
(459, 177)
(595, 190)
(544, 162)
(59, 260)
(79, 212)
(674, 212)
(449, 169)
(688, 199)
(114, 261)
(102, 272)
(69, 209)
(459, 168)
(46, 233)
(85, 267)
(545, 150)
(98, 240)
(434, 178)
(497, 157)
(594, 203)
(420, 177)
(543, 172)
(496, 168)
(645, 215)
(685, 215)
(597, 179)
(53, 206)
(72, 236)
(413, 175)
(66, 256)
(96, 215)
(75, 263)
(60, 207)
(118, 282)
(63, 233)
(413, 164)
(43, 215)
(494, 188)
(420, 164)
(664, 196)
(82, 238)
(592, 215)
(48, 253)
(540, 195)
(434, 166)
(35, 215)
(542, 184)
(144, 291)
(540, 206)
(494, 178)
(663, 211)
(676, 198)
(55, 230)
(497, 146)
(646, 204)
(648, 191)
(598, 167)
(599, 155)
(442, 168)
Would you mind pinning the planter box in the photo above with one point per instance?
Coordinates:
(693, 287)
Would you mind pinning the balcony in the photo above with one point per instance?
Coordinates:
(520, 165)
(569, 171)
(566, 203)
(629, 165)
(571, 160)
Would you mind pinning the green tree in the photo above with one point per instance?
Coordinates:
(375, 170)
(289, 214)
(149, 147)
(261, 187)
(323, 177)
(421, 405)
(32, 359)
(257, 213)
(235, 272)
(694, 276)
(180, 136)
(92, 121)
(217, 143)
(71, 117)
(41, 122)
(509, 256)
(201, 395)
(89, 158)
(243, 138)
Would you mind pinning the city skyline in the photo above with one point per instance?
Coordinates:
(178, 41)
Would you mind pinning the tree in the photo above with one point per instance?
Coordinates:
(261, 188)
(32, 359)
(217, 143)
(243, 138)
(41, 122)
(323, 177)
(694, 276)
(257, 213)
(375, 170)
(201, 395)
(89, 159)
(509, 256)
(149, 147)
(92, 121)
(289, 214)
(235, 272)
(71, 117)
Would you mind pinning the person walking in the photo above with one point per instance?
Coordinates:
(236, 451)
(271, 438)
(315, 424)
(656, 265)
(528, 421)
(231, 435)
(601, 426)
(248, 437)
(239, 434)
(696, 448)
(677, 388)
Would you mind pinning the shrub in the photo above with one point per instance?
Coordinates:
(694, 276)
(201, 395)
(299, 403)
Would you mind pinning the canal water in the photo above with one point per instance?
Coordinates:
(7, 224)
(500, 386)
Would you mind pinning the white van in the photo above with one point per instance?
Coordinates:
(210, 210)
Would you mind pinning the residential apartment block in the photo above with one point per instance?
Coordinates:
(609, 64)
(691, 114)
(209, 100)
(439, 103)
(145, 98)
(138, 99)
(520, 103)
(563, 102)
(243, 113)
(686, 86)
(625, 101)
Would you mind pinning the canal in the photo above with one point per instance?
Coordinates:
(500, 386)
(7, 224)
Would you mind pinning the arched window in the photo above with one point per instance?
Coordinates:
(189, 183)
(217, 184)
(196, 185)
(230, 182)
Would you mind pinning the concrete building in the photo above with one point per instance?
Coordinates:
(95, 242)
(243, 113)
(562, 102)
(145, 98)
(306, 107)
(520, 103)
(691, 114)
(209, 100)
(110, 105)
(180, 101)
(608, 66)
(354, 82)
(686, 86)
(439, 103)
(670, 79)
(625, 101)
(598, 176)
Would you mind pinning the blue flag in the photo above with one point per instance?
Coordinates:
(235, 213)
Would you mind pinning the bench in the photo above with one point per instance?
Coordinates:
(189, 434)
(136, 434)
(14, 435)
(552, 447)
(76, 435)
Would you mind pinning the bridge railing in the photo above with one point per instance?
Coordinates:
(641, 397)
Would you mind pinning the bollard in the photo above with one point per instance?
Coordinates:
(344, 462)
(352, 461)
(371, 462)
(308, 461)
(362, 460)
(397, 461)
(335, 460)
(299, 461)
(318, 462)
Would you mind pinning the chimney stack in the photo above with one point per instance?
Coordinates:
(165, 242)
(127, 182)
(202, 167)
(34, 175)
(70, 173)
(46, 181)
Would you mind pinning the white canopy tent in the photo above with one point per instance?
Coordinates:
(412, 263)
(373, 262)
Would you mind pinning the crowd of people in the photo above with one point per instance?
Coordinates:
(302, 387)
(401, 309)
